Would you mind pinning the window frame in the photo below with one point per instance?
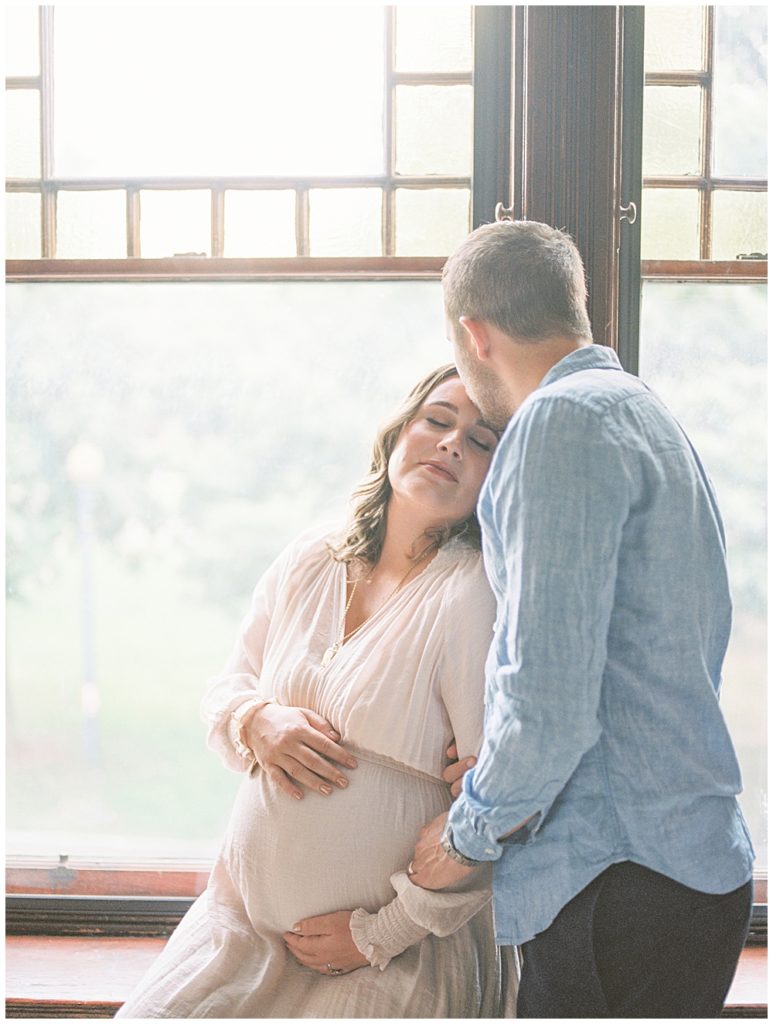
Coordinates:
(515, 169)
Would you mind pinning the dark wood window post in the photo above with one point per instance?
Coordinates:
(566, 153)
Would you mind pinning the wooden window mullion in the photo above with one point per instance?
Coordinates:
(388, 204)
(707, 133)
(492, 170)
(48, 193)
(570, 146)
(132, 223)
(302, 222)
(218, 222)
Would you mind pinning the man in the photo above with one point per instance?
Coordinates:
(605, 788)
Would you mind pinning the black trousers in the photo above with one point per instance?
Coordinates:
(635, 943)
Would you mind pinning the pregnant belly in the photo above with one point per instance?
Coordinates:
(292, 859)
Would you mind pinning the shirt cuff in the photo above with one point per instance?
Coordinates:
(470, 834)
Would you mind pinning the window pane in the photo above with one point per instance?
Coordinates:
(243, 90)
(703, 349)
(739, 224)
(672, 130)
(345, 222)
(430, 222)
(22, 133)
(22, 52)
(91, 225)
(259, 224)
(433, 39)
(673, 39)
(740, 92)
(175, 223)
(227, 418)
(669, 224)
(22, 226)
(434, 129)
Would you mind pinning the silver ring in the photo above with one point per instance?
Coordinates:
(410, 870)
(334, 970)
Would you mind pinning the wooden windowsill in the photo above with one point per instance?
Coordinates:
(372, 268)
(197, 268)
(26, 875)
(91, 977)
(709, 271)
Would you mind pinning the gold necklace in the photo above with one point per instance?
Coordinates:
(331, 652)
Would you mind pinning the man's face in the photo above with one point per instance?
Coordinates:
(481, 383)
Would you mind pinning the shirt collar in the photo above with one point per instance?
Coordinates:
(589, 357)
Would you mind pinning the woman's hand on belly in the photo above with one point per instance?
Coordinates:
(454, 773)
(325, 944)
(296, 747)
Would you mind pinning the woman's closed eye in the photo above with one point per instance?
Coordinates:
(485, 446)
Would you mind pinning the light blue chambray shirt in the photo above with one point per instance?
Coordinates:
(605, 548)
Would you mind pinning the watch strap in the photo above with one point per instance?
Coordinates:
(448, 845)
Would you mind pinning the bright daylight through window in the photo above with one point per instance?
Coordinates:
(167, 437)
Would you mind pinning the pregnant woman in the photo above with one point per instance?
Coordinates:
(381, 631)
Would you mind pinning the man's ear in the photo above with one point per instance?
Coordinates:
(478, 336)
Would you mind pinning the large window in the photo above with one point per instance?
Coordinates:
(167, 433)
(167, 439)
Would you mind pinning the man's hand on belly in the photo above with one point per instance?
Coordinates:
(431, 867)
(325, 944)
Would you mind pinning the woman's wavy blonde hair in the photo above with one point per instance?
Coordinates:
(364, 535)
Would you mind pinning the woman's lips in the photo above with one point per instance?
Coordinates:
(439, 470)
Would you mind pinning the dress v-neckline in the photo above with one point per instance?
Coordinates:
(333, 651)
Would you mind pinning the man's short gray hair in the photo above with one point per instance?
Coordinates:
(524, 277)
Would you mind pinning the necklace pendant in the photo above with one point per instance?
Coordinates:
(330, 653)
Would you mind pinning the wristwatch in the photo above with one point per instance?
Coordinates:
(447, 842)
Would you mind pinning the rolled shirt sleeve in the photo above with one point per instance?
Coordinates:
(553, 513)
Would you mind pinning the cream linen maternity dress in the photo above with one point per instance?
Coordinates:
(398, 691)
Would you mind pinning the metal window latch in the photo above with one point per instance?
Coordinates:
(502, 212)
(752, 256)
(628, 213)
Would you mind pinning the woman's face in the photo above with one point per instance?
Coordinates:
(443, 455)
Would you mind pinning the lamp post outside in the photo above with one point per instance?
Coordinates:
(85, 462)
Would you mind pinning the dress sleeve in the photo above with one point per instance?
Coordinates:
(239, 679)
(414, 913)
